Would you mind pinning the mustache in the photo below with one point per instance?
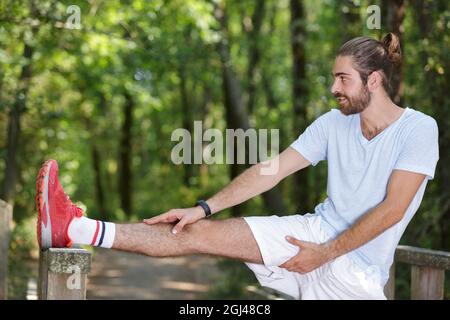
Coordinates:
(339, 95)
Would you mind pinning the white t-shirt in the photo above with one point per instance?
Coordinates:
(359, 171)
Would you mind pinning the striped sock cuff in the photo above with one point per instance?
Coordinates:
(104, 234)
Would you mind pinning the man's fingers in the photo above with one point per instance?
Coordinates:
(165, 217)
(297, 242)
(156, 219)
(287, 264)
(288, 267)
(292, 267)
(179, 226)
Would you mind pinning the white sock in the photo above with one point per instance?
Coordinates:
(92, 232)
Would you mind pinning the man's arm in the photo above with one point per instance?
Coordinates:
(401, 189)
(248, 184)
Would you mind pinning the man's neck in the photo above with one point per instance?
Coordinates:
(380, 113)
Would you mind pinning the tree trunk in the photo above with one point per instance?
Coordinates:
(11, 168)
(236, 114)
(396, 16)
(352, 26)
(8, 192)
(2, 77)
(96, 167)
(436, 87)
(254, 52)
(440, 101)
(274, 196)
(99, 192)
(187, 120)
(96, 155)
(18, 107)
(269, 92)
(125, 156)
(299, 96)
(204, 107)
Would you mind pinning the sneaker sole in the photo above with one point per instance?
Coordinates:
(44, 231)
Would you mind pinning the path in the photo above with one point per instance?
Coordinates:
(122, 275)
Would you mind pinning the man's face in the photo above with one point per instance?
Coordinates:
(352, 95)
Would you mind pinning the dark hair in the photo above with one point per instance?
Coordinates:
(371, 55)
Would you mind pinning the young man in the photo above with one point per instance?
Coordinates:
(380, 157)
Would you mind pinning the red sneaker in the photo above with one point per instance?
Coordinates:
(55, 210)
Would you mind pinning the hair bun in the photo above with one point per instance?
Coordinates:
(391, 43)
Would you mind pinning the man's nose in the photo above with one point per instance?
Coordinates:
(335, 88)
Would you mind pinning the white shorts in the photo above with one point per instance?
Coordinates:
(338, 279)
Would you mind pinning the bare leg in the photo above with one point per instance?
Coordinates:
(231, 238)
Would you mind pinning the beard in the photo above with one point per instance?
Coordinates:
(354, 104)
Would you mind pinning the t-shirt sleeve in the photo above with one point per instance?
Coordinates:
(420, 153)
(313, 142)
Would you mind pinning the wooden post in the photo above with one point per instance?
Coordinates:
(5, 227)
(63, 274)
(427, 283)
(389, 288)
(427, 271)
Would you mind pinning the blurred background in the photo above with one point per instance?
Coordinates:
(101, 85)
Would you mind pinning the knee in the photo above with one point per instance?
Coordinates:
(197, 229)
(197, 235)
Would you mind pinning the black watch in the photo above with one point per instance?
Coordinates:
(204, 205)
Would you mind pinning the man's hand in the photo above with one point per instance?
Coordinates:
(184, 216)
(309, 257)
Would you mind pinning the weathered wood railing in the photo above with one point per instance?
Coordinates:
(427, 272)
(63, 274)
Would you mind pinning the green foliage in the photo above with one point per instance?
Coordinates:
(233, 282)
(156, 50)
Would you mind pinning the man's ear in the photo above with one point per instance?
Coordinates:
(374, 81)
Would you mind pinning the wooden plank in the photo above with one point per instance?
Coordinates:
(5, 227)
(427, 283)
(423, 257)
(389, 288)
(63, 274)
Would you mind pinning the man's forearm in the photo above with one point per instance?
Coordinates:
(245, 186)
(372, 224)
